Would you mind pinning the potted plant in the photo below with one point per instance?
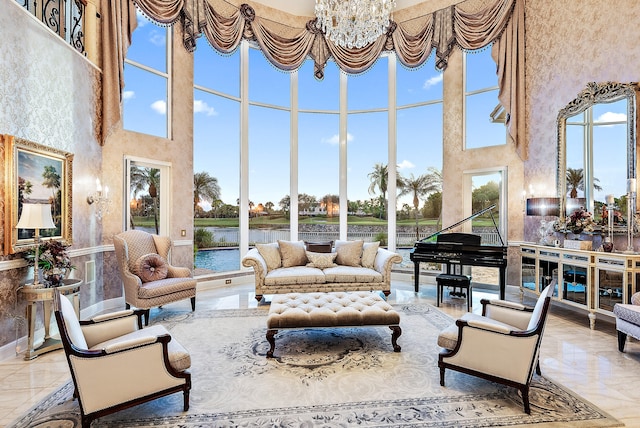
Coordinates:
(54, 261)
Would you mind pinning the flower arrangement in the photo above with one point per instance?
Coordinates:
(53, 259)
(579, 221)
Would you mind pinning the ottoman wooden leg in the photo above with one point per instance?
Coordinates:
(272, 341)
(397, 331)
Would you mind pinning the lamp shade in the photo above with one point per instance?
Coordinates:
(543, 206)
(36, 216)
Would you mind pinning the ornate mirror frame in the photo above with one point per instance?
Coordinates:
(597, 93)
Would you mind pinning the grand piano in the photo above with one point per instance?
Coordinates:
(463, 249)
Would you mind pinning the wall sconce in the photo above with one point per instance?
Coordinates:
(101, 199)
(36, 216)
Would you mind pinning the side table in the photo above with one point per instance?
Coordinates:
(33, 295)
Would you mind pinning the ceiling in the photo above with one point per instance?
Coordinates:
(306, 7)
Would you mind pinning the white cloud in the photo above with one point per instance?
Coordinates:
(432, 81)
(612, 117)
(128, 95)
(159, 107)
(405, 164)
(200, 106)
(335, 139)
(157, 38)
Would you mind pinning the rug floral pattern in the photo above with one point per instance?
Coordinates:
(325, 378)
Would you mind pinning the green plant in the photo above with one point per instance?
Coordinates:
(203, 238)
(382, 237)
(52, 254)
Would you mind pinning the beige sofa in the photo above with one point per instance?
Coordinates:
(287, 267)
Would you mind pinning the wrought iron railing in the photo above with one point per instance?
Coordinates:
(63, 17)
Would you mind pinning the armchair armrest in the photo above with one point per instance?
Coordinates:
(489, 326)
(511, 313)
(109, 328)
(112, 315)
(178, 272)
(130, 344)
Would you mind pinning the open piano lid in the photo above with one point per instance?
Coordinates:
(463, 238)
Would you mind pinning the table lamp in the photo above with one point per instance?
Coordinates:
(36, 216)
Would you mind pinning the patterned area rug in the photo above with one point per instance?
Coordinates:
(326, 378)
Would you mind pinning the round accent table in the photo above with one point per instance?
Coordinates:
(33, 295)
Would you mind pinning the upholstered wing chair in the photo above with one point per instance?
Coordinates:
(148, 277)
(501, 345)
(116, 364)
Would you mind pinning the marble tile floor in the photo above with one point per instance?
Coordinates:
(585, 361)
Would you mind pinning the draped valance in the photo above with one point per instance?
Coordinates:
(502, 24)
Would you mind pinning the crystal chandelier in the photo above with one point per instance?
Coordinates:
(353, 23)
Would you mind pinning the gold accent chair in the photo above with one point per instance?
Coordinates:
(501, 345)
(116, 364)
(130, 247)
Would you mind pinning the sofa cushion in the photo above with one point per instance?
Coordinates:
(151, 267)
(369, 251)
(321, 260)
(349, 253)
(351, 274)
(319, 247)
(271, 255)
(295, 275)
(293, 253)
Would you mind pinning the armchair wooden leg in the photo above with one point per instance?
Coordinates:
(622, 339)
(146, 317)
(193, 303)
(258, 297)
(525, 399)
(441, 376)
(186, 400)
(127, 306)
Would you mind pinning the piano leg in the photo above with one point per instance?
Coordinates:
(416, 275)
(503, 275)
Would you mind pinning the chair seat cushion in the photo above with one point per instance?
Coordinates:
(179, 358)
(295, 275)
(163, 287)
(629, 313)
(151, 267)
(448, 338)
(352, 274)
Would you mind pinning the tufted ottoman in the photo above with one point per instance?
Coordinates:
(336, 309)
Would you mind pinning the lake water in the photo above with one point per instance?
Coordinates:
(228, 259)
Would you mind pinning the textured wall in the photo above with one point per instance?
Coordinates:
(49, 95)
(567, 47)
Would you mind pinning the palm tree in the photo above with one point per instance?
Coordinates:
(52, 181)
(379, 179)
(418, 187)
(146, 179)
(205, 188)
(575, 182)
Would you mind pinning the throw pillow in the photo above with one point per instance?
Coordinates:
(349, 253)
(319, 247)
(369, 251)
(635, 298)
(151, 267)
(271, 255)
(293, 253)
(321, 260)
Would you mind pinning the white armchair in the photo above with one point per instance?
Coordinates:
(115, 364)
(501, 345)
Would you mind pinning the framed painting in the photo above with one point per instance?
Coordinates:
(35, 174)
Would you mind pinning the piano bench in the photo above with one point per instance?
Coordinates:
(457, 281)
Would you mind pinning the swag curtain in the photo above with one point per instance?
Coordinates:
(412, 40)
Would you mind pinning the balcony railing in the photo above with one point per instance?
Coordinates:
(63, 17)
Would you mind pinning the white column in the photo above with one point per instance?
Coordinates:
(344, 209)
(393, 155)
(244, 147)
(293, 180)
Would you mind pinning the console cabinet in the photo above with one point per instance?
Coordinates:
(591, 280)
